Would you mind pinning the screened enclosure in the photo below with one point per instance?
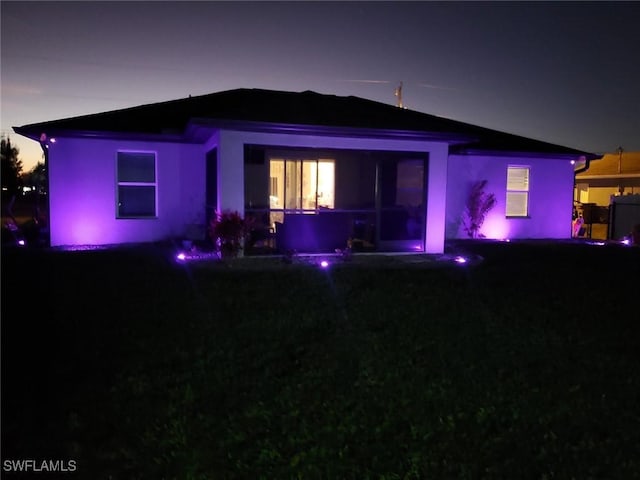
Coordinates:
(322, 200)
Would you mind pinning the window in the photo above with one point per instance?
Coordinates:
(136, 177)
(517, 191)
(305, 185)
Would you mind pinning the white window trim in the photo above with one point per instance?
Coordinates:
(136, 184)
(523, 191)
(300, 157)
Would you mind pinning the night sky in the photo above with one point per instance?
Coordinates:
(566, 73)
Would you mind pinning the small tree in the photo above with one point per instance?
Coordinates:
(479, 204)
(11, 168)
(36, 178)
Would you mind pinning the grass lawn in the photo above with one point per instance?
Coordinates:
(526, 366)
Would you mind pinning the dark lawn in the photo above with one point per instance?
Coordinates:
(525, 366)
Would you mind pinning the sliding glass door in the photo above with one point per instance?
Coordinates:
(301, 185)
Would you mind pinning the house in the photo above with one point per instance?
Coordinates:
(314, 170)
(607, 192)
(614, 174)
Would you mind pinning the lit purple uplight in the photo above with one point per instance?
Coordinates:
(496, 227)
(21, 243)
(82, 248)
(626, 241)
(324, 264)
(195, 255)
(459, 259)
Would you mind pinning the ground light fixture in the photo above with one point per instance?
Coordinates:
(324, 264)
(183, 256)
(460, 260)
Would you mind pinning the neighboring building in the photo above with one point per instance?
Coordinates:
(607, 192)
(614, 174)
(316, 169)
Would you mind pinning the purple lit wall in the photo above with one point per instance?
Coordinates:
(83, 184)
(83, 192)
(83, 187)
(550, 196)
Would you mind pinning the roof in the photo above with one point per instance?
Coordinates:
(306, 109)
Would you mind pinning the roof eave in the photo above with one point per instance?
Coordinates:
(195, 132)
(139, 136)
(571, 155)
(324, 130)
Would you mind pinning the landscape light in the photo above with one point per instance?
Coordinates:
(626, 241)
(181, 256)
(460, 259)
(596, 243)
(324, 264)
(82, 248)
(573, 162)
(21, 243)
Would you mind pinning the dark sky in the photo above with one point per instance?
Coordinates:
(566, 73)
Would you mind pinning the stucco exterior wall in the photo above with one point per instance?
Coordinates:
(83, 187)
(83, 192)
(550, 196)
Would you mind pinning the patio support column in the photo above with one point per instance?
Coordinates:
(436, 199)
(231, 172)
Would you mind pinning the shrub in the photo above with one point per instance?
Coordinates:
(227, 230)
(479, 204)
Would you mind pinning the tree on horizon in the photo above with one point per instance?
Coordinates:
(11, 169)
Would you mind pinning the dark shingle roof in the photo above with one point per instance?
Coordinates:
(289, 108)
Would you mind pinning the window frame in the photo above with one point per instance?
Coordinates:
(298, 160)
(525, 190)
(120, 184)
